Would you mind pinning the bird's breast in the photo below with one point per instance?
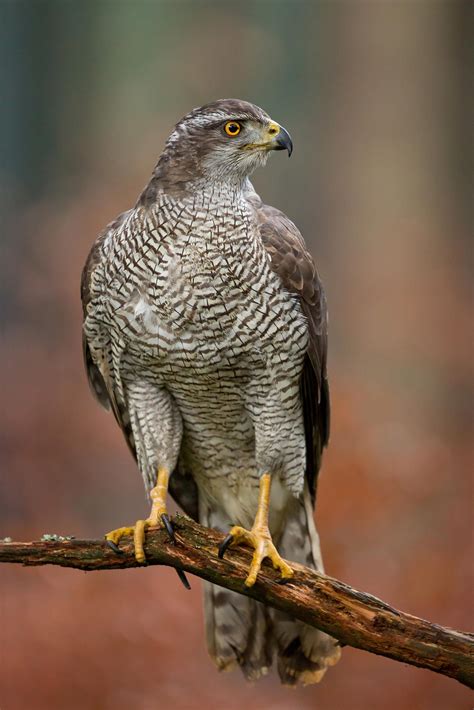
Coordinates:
(214, 303)
(203, 295)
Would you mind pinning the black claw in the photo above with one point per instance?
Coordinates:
(115, 548)
(284, 580)
(169, 528)
(224, 546)
(183, 578)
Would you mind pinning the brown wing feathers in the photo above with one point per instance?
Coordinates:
(295, 266)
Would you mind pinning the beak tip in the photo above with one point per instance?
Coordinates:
(284, 141)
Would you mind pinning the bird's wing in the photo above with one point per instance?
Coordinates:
(94, 376)
(294, 265)
(102, 386)
(182, 486)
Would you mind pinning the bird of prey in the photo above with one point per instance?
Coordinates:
(205, 333)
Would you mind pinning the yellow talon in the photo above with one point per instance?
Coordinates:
(158, 508)
(259, 538)
(115, 535)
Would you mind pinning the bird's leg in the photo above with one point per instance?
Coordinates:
(158, 514)
(259, 538)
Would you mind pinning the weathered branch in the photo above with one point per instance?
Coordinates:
(355, 618)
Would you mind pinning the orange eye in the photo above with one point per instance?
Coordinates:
(232, 128)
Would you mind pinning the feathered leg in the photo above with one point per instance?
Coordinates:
(155, 442)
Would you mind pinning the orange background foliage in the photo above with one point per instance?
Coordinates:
(373, 95)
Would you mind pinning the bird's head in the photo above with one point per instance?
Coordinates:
(222, 141)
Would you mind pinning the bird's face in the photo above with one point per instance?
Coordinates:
(228, 139)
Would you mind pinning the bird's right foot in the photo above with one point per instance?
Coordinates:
(138, 531)
(158, 516)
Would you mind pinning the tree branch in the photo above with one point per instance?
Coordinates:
(354, 618)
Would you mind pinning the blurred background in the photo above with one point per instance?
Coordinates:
(374, 96)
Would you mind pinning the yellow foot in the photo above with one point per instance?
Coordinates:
(138, 531)
(260, 539)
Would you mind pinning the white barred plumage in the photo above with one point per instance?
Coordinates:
(205, 330)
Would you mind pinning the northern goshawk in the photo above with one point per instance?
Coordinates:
(205, 332)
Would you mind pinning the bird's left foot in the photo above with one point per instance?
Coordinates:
(260, 539)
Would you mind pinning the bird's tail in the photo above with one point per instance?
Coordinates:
(238, 631)
(243, 632)
(303, 653)
(237, 628)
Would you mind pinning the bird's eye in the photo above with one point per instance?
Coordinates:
(232, 128)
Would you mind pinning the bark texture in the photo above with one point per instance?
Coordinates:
(355, 618)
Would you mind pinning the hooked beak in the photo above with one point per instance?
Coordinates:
(272, 137)
(282, 141)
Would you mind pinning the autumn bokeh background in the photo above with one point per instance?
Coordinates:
(373, 94)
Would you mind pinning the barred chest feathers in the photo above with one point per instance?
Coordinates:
(199, 287)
